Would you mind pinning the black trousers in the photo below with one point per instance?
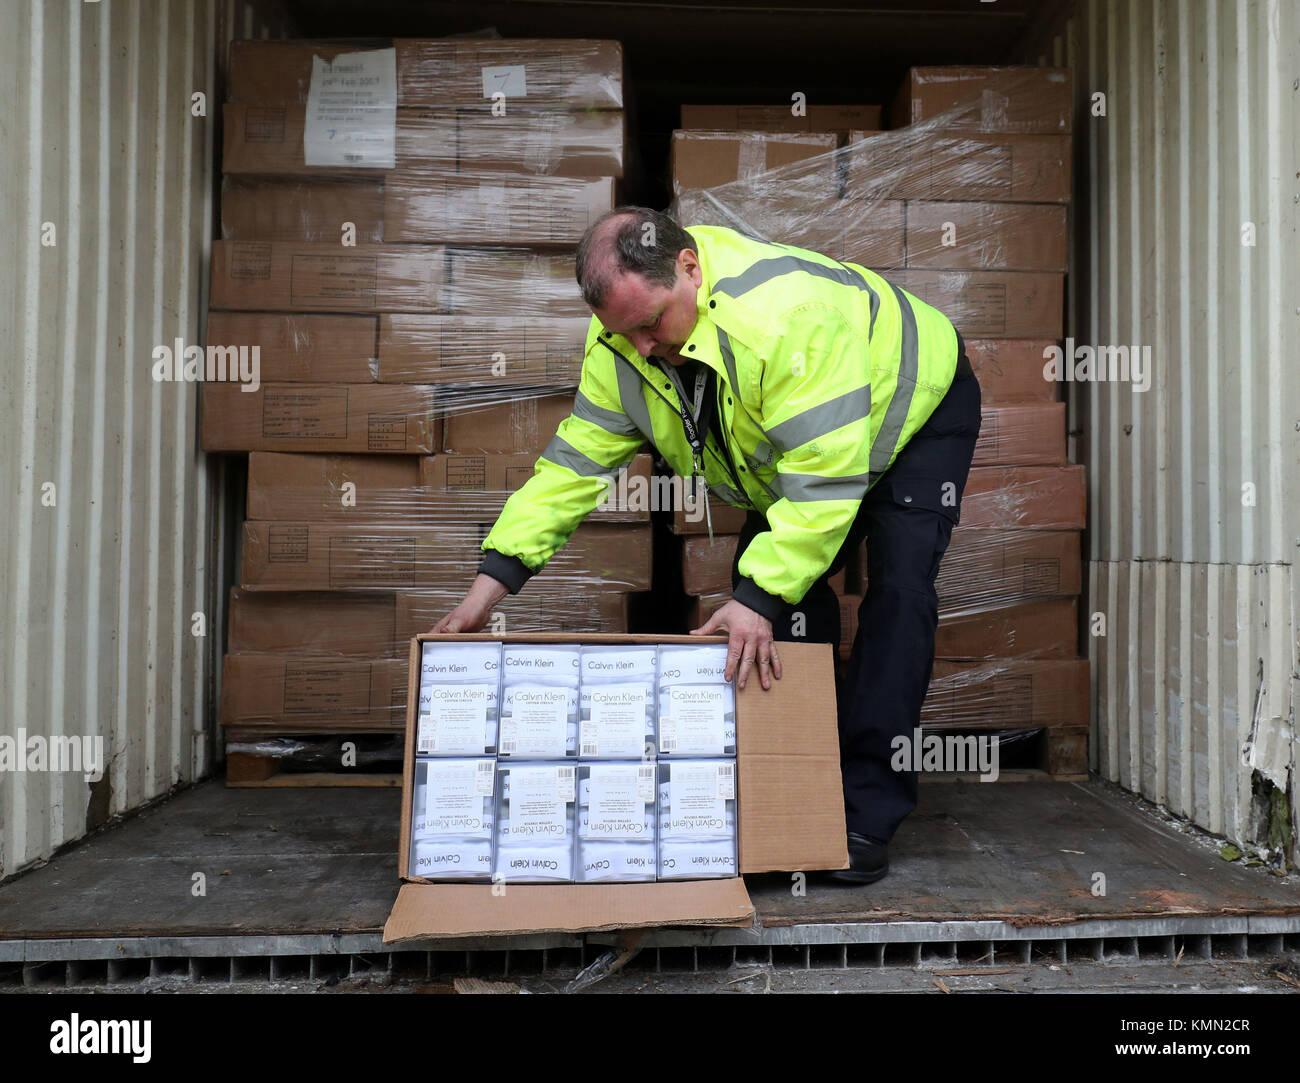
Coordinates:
(907, 519)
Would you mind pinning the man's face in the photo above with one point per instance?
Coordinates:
(655, 319)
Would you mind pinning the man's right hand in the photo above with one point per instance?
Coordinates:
(475, 609)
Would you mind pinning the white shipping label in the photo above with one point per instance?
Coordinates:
(537, 804)
(617, 720)
(453, 803)
(456, 722)
(695, 799)
(698, 713)
(617, 808)
(537, 720)
(508, 79)
(352, 110)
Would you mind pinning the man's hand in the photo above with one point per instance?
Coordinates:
(751, 640)
(475, 609)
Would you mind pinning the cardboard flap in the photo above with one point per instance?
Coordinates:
(789, 753)
(457, 910)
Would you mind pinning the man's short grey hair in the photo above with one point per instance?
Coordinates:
(629, 240)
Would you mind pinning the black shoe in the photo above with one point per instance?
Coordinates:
(868, 861)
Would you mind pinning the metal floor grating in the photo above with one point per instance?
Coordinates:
(36, 964)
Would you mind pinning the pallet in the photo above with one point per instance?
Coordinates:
(309, 752)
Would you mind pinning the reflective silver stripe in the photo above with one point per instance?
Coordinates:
(630, 398)
(820, 487)
(565, 454)
(728, 494)
(729, 359)
(842, 410)
(767, 269)
(901, 403)
(609, 420)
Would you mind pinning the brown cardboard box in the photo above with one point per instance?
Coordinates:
(492, 209)
(1037, 497)
(360, 488)
(790, 817)
(287, 693)
(369, 418)
(1011, 370)
(303, 348)
(990, 304)
(485, 473)
(986, 236)
(329, 556)
(984, 570)
(469, 350)
(818, 221)
(442, 73)
(1039, 629)
(302, 209)
(1006, 99)
(726, 518)
(705, 606)
(415, 205)
(314, 625)
(704, 159)
(849, 604)
(522, 283)
(1012, 693)
(326, 277)
(268, 141)
(780, 118)
(706, 566)
(480, 422)
(962, 165)
(1021, 434)
(539, 607)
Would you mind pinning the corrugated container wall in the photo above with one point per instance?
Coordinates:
(1185, 243)
(113, 517)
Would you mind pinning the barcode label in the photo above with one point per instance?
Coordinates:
(484, 778)
(645, 783)
(726, 782)
(667, 744)
(508, 747)
(565, 778)
(589, 750)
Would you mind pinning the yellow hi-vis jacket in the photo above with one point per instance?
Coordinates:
(824, 371)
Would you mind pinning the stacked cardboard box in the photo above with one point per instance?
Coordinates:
(398, 226)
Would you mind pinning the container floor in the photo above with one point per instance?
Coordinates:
(304, 861)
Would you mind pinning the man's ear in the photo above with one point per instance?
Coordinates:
(689, 263)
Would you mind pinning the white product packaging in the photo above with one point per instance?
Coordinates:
(459, 707)
(538, 721)
(539, 702)
(696, 706)
(617, 705)
(452, 819)
(616, 822)
(535, 823)
(697, 819)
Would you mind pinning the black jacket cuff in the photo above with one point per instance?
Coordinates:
(750, 594)
(511, 572)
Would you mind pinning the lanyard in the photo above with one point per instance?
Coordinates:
(691, 424)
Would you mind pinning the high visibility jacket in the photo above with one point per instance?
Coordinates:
(824, 370)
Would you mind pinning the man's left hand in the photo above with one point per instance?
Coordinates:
(751, 643)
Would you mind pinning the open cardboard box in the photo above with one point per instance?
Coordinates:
(790, 815)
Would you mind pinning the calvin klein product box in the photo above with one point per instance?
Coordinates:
(452, 817)
(697, 819)
(616, 823)
(460, 696)
(535, 823)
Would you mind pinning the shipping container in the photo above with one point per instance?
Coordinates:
(1133, 190)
